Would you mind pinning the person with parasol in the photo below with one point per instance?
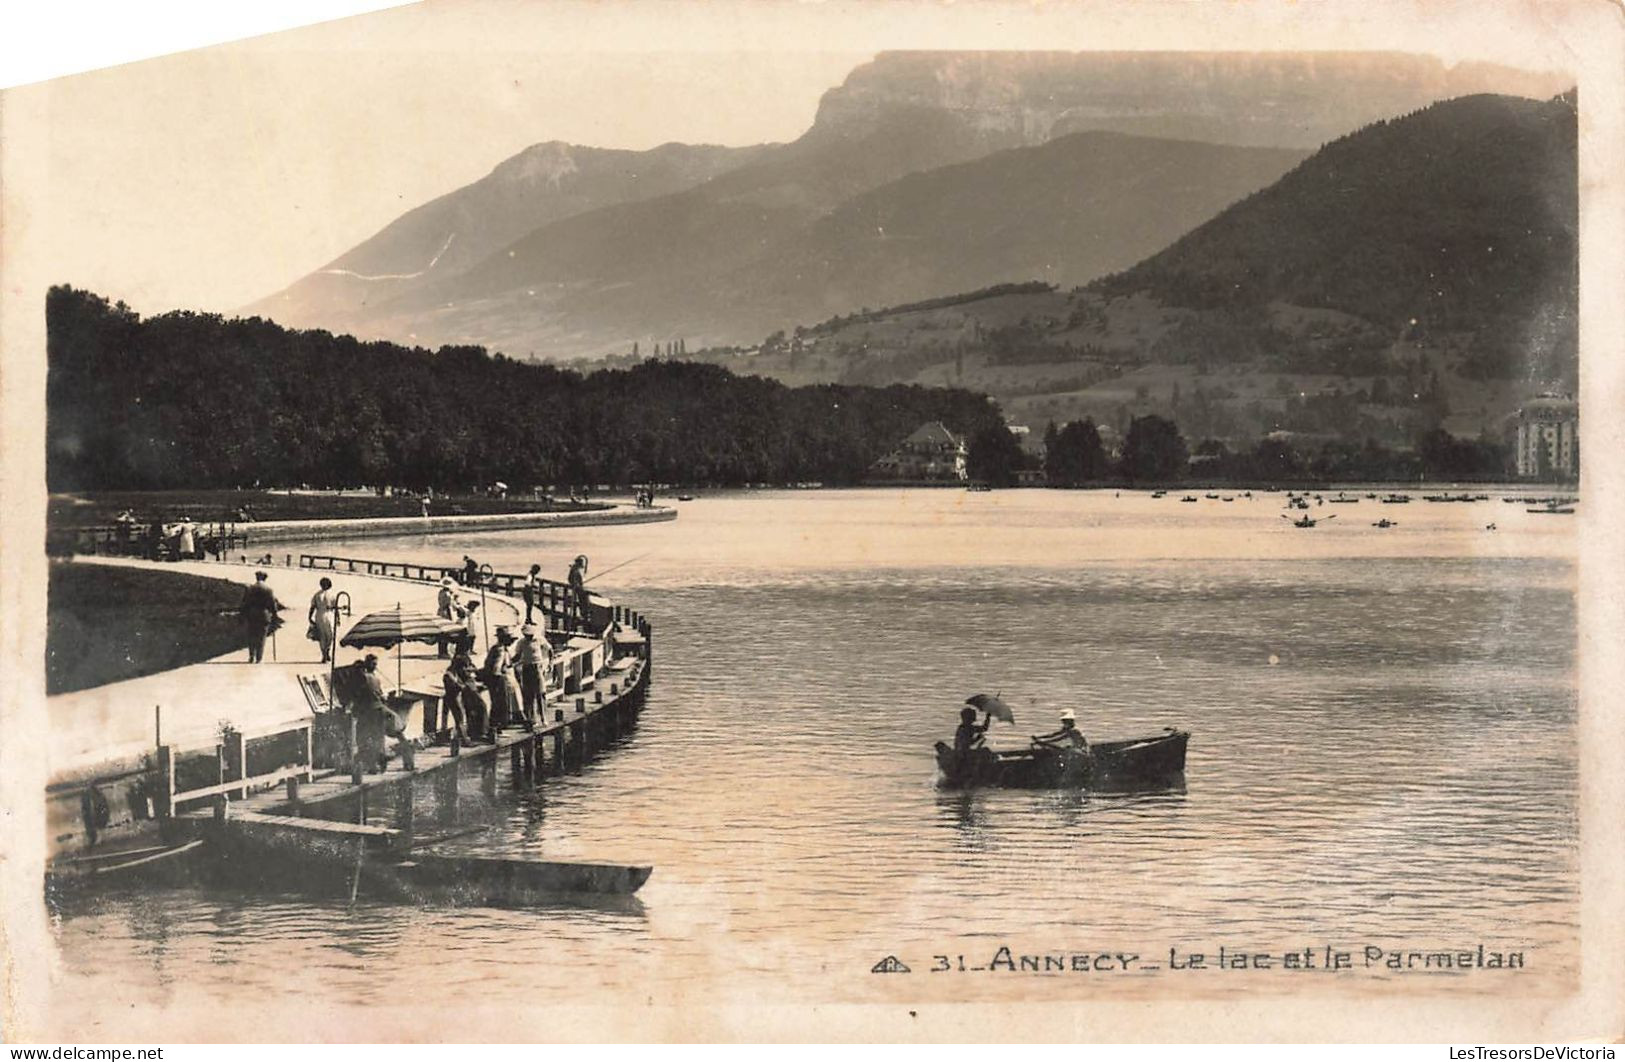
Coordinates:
(970, 738)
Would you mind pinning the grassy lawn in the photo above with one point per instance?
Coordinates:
(100, 508)
(108, 624)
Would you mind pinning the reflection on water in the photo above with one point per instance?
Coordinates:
(1382, 753)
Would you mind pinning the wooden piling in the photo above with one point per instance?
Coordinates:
(405, 812)
(164, 799)
(445, 798)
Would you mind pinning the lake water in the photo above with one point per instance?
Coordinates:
(1383, 755)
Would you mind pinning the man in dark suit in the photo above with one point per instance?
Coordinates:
(259, 616)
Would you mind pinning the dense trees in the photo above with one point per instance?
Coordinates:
(196, 400)
(994, 456)
(1153, 450)
(1074, 455)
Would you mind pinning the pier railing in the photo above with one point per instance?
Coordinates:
(242, 761)
(178, 778)
(554, 599)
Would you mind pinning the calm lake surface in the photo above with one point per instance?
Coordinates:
(1383, 754)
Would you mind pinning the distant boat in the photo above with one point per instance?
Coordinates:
(1385, 522)
(978, 487)
(1397, 499)
(1210, 496)
(1188, 498)
(685, 497)
(1306, 520)
(1159, 494)
(1553, 509)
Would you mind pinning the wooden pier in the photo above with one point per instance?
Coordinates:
(294, 794)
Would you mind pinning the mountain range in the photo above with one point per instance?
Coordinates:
(922, 174)
(1419, 272)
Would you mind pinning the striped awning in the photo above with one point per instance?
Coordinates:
(396, 625)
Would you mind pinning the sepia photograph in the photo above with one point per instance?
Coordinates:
(703, 521)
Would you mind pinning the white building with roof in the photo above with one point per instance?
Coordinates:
(930, 452)
(1548, 443)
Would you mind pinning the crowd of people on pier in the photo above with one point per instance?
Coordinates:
(508, 687)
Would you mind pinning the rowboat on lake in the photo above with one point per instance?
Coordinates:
(1132, 763)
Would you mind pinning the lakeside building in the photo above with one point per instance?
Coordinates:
(931, 452)
(1548, 442)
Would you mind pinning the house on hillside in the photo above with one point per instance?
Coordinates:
(931, 452)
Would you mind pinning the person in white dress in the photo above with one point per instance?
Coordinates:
(324, 617)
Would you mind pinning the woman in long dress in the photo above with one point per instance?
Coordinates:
(324, 617)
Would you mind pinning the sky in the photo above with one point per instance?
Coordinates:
(213, 177)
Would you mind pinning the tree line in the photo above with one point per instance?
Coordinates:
(1154, 451)
(197, 400)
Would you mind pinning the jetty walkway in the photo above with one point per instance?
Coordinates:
(227, 735)
(110, 724)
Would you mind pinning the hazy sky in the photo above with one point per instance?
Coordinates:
(211, 178)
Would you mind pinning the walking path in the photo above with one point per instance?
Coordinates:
(116, 722)
(310, 530)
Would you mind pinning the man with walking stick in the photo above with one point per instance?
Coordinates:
(258, 613)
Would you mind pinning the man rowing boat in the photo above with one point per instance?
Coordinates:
(1068, 737)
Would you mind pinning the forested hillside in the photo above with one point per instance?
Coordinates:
(197, 400)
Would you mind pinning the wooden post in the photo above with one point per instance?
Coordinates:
(488, 774)
(445, 797)
(405, 813)
(292, 793)
(164, 799)
(355, 756)
(234, 759)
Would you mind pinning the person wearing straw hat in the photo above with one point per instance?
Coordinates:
(1068, 737)
(530, 655)
(446, 608)
(498, 676)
